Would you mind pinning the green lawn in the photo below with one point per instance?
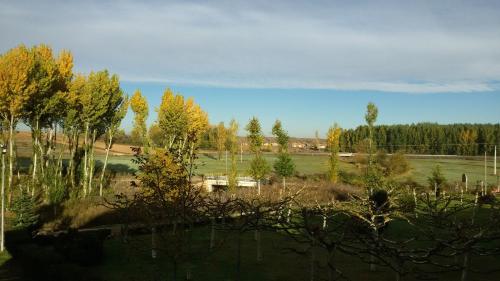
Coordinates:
(4, 257)
(133, 262)
(309, 164)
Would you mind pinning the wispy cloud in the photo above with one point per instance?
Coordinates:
(446, 46)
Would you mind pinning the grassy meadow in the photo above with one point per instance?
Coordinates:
(311, 164)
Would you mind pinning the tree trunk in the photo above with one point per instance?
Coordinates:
(373, 266)
(85, 159)
(238, 257)
(2, 226)
(34, 133)
(259, 246)
(11, 157)
(465, 268)
(105, 162)
(91, 161)
(73, 147)
(288, 214)
(153, 243)
(312, 263)
(284, 184)
(258, 187)
(212, 234)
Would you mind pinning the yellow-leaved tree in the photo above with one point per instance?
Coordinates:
(182, 123)
(139, 106)
(221, 139)
(44, 108)
(333, 143)
(17, 67)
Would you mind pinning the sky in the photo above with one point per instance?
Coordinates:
(308, 63)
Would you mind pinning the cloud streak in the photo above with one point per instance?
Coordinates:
(412, 47)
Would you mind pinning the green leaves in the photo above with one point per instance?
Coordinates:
(259, 167)
(255, 137)
(281, 136)
(284, 165)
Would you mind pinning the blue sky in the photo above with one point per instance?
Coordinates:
(310, 63)
(303, 111)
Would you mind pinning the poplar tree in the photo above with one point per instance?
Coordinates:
(72, 124)
(182, 123)
(17, 67)
(371, 118)
(333, 144)
(118, 107)
(172, 118)
(259, 167)
(232, 146)
(44, 108)
(221, 139)
(139, 106)
(284, 165)
(94, 100)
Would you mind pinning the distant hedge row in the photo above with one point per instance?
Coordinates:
(426, 138)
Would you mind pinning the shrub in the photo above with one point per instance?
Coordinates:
(488, 198)
(24, 208)
(406, 203)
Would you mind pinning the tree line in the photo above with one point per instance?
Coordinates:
(425, 138)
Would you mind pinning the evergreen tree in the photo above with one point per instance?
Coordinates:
(25, 209)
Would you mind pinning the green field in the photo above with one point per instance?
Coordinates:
(308, 164)
(134, 262)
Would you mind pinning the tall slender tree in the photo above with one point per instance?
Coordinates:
(117, 109)
(232, 146)
(221, 138)
(182, 123)
(333, 144)
(283, 166)
(371, 118)
(44, 108)
(259, 167)
(17, 67)
(95, 99)
(139, 106)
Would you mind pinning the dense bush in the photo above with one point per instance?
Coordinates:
(488, 198)
(25, 209)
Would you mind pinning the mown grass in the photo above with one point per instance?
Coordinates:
(133, 261)
(309, 164)
(4, 257)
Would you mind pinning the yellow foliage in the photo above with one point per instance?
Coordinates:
(16, 87)
(333, 142)
(139, 106)
(181, 119)
(333, 137)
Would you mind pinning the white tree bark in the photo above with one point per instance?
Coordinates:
(108, 148)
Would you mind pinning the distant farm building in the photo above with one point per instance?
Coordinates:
(213, 183)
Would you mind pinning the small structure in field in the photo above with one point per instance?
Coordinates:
(212, 183)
